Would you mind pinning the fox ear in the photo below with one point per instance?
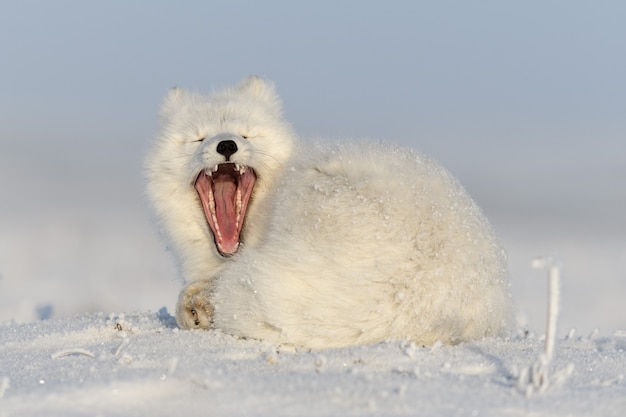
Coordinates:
(175, 96)
(258, 87)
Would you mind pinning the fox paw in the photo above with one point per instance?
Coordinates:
(194, 309)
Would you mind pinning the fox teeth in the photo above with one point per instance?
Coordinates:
(239, 168)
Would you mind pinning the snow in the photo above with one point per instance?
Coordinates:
(142, 364)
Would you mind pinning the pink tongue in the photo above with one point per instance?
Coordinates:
(225, 195)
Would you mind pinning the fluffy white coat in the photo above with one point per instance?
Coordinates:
(342, 244)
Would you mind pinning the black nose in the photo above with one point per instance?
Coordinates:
(227, 148)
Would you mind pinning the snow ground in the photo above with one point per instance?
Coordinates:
(142, 365)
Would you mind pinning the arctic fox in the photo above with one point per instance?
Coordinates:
(317, 245)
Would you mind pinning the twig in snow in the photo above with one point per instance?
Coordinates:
(554, 293)
(536, 377)
(75, 351)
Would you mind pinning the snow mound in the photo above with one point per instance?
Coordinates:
(143, 365)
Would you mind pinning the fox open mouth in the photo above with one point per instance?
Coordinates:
(224, 192)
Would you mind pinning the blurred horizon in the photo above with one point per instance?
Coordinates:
(524, 102)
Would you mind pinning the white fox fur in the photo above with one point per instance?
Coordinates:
(342, 243)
